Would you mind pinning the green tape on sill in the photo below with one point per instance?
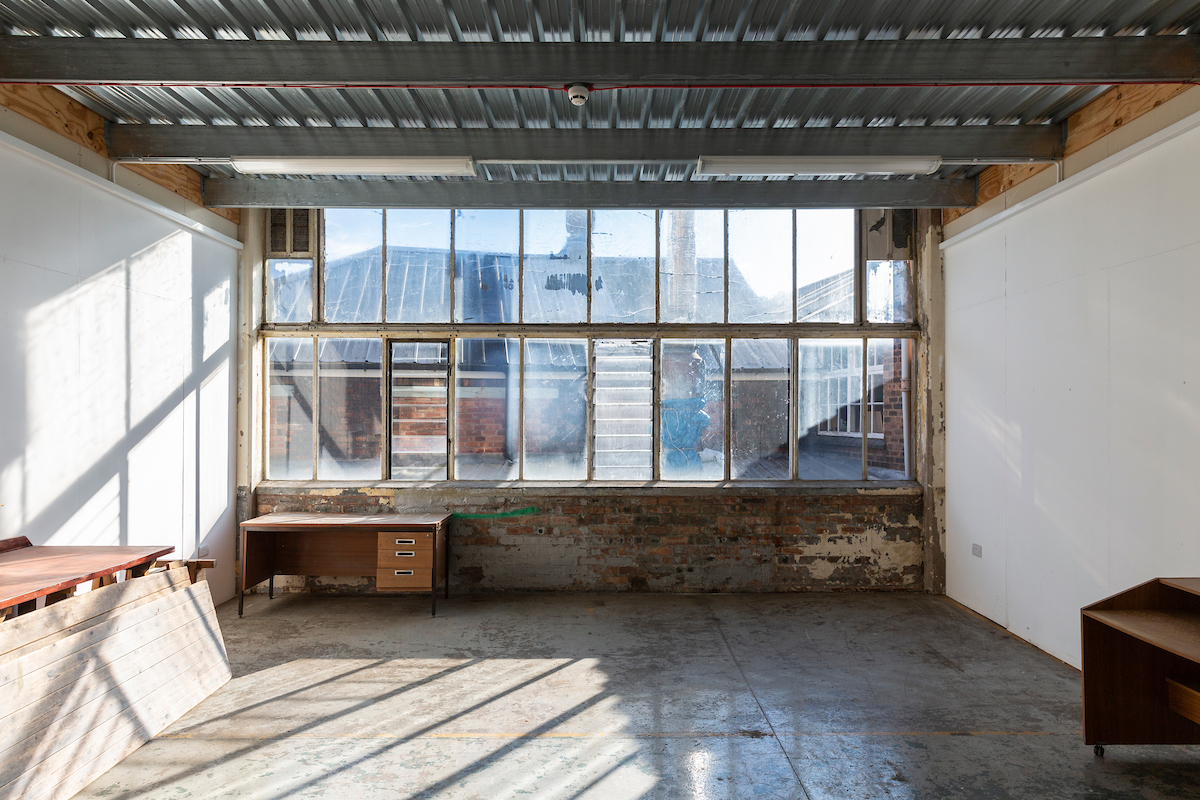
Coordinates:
(520, 512)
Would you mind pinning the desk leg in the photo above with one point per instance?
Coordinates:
(241, 601)
(271, 588)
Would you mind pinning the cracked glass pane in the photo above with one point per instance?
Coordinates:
(692, 271)
(555, 425)
(290, 409)
(825, 265)
(418, 265)
(623, 266)
(692, 410)
(353, 264)
(888, 418)
(761, 377)
(486, 409)
(555, 266)
(760, 266)
(349, 428)
(829, 410)
(486, 248)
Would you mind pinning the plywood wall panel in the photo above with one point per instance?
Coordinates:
(74, 707)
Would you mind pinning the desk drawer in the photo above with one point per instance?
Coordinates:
(406, 540)
(406, 559)
(410, 578)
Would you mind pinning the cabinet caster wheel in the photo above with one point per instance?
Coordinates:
(1099, 750)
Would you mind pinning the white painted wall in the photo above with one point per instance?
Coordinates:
(117, 366)
(1073, 392)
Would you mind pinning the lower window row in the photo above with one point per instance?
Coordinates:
(588, 409)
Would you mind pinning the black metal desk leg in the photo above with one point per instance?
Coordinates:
(271, 588)
(241, 602)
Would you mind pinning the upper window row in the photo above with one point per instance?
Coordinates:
(576, 267)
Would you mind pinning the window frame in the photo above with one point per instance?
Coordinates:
(451, 332)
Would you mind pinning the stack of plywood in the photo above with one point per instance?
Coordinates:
(86, 681)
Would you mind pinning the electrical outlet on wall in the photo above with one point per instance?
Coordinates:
(977, 550)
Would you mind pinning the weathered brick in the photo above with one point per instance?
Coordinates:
(745, 540)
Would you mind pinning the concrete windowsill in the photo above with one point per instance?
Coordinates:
(734, 488)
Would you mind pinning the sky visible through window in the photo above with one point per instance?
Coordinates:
(825, 238)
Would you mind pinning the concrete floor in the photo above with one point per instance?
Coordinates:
(636, 696)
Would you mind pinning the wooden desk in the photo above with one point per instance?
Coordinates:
(29, 571)
(402, 552)
(1141, 665)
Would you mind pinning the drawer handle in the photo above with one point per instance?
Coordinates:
(404, 572)
(406, 554)
(406, 541)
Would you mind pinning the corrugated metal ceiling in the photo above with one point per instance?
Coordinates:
(588, 21)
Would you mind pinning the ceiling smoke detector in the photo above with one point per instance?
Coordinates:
(578, 94)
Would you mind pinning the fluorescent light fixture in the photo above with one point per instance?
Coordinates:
(817, 165)
(457, 166)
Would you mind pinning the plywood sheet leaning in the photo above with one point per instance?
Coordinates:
(88, 680)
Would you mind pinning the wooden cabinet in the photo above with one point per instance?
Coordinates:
(402, 552)
(1141, 665)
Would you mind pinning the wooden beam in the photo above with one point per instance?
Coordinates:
(1107, 113)
(52, 109)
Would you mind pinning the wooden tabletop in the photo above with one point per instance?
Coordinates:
(32, 572)
(318, 520)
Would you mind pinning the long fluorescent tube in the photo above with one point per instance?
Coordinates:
(455, 166)
(713, 166)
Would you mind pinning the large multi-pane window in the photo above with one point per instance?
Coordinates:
(627, 345)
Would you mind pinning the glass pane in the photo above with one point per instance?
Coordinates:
(692, 412)
(889, 430)
(353, 264)
(825, 265)
(761, 388)
(622, 405)
(828, 419)
(692, 283)
(889, 291)
(289, 290)
(486, 248)
(418, 267)
(290, 409)
(420, 381)
(623, 266)
(760, 266)
(556, 266)
(555, 430)
(350, 439)
(486, 392)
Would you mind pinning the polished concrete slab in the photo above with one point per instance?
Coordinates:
(636, 696)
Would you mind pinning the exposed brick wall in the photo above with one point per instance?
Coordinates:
(689, 540)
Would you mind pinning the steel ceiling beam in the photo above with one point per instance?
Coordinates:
(989, 144)
(308, 192)
(935, 62)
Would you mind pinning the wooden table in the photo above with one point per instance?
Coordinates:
(402, 552)
(29, 571)
(1141, 665)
